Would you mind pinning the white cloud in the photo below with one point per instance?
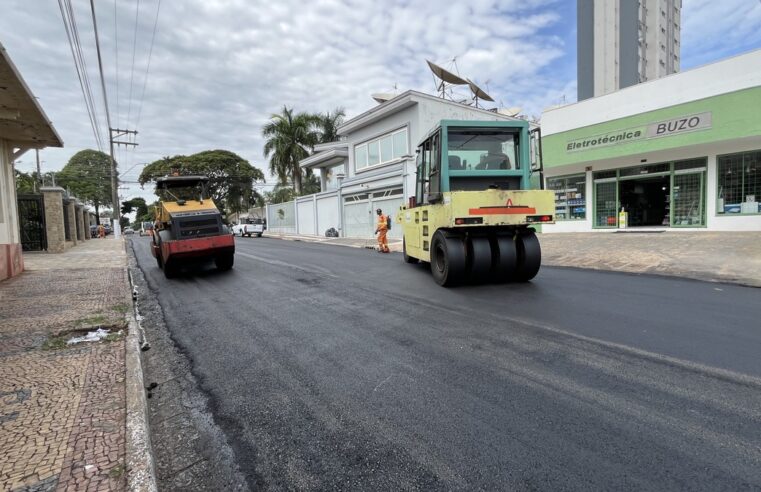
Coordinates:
(219, 69)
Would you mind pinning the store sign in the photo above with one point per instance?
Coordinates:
(679, 125)
(667, 128)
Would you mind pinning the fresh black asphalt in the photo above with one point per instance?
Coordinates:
(338, 368)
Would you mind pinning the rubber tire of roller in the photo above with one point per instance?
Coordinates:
(448, 260)
(480, 259)
(405, 256)
(505, 259)
(224, 262)
(529, 256)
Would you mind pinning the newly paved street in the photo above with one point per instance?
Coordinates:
(330, 367)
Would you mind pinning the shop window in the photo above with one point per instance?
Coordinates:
(605, 174)
(570, 197)
(642, 170)
(739, 181)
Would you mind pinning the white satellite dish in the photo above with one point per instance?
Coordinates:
(514, 111)
(382, 97)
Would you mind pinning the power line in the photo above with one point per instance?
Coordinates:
(148, 66)
(134, 48)
(83, 80)
(116, 55)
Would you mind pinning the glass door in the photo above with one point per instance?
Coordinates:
(687, 203)
(606, 203)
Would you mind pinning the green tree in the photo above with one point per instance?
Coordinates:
(136, 204)
(328, 123)
(87, 176)
(280, 194)
(25, 183)
(289, 139)
(231, 178)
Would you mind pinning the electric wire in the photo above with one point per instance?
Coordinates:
(148, 66)
(116, 56)
(134, 49)
(83, 62)
(93, 121)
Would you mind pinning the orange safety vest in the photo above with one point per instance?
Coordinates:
(382, 222)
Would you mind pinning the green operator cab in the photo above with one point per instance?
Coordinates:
(473, 208)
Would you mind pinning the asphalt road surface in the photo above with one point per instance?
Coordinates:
(339, 368)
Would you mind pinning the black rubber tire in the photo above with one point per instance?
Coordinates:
(407, 258)
(448, 264)
(224, 262)
(505, 258)
(529, 256)
(171, 269)
(158, 260)
(479, 259)
(259, 235)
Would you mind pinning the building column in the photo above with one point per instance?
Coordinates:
(54, 210)
(72, 222)
(80, 223)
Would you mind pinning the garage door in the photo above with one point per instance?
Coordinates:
(358, 220)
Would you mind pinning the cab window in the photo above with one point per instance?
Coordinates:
(481, 149)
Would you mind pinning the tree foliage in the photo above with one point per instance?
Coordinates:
(289, 139)
(25, 183)
(87, 176)
(231, 178)
(328, 123)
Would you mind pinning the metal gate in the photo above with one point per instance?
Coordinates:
(31, 213)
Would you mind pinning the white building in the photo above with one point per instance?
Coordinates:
(624, 42)
(371, 166)
(682, 151)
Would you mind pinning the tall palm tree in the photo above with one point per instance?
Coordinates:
(290, 138)
(328, 124)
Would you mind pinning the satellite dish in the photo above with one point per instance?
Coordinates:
(514, 111)
(478, 93)
(446, 75)
(382, 97)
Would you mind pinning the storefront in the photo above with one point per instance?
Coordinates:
(680, 152)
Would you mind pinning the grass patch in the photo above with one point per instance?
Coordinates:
(120, 308)
(113, 337)
(117, 471)
(55, 343)
(97, 319)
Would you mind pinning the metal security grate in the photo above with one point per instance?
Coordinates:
(688, 200)
(605, 204)
(31, 213)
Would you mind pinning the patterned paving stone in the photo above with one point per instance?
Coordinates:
(63, 408)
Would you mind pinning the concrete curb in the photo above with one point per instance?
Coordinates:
(140, 470)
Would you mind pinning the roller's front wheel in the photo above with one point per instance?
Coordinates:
(448, 264)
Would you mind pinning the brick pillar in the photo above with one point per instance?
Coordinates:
(53, 198)
(78, 207)
(72, 222)
(86, 223)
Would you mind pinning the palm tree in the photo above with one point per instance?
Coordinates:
(290, 138)
(328, 124)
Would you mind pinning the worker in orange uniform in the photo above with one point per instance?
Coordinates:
(381, 231)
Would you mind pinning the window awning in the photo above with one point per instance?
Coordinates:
(325, 159)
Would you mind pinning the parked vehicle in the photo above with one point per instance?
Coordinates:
(248, 230)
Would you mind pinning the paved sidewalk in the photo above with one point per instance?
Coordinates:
(714, 256)
(62, 407)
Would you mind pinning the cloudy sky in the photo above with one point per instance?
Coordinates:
(218, 69)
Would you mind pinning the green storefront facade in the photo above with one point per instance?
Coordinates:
(694, 165)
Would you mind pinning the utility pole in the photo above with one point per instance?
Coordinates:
(39, 174)
(114, 134)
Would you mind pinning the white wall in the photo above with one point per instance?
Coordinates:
(9, 233)
(729, 75)
(306, 216)
(327, 213)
